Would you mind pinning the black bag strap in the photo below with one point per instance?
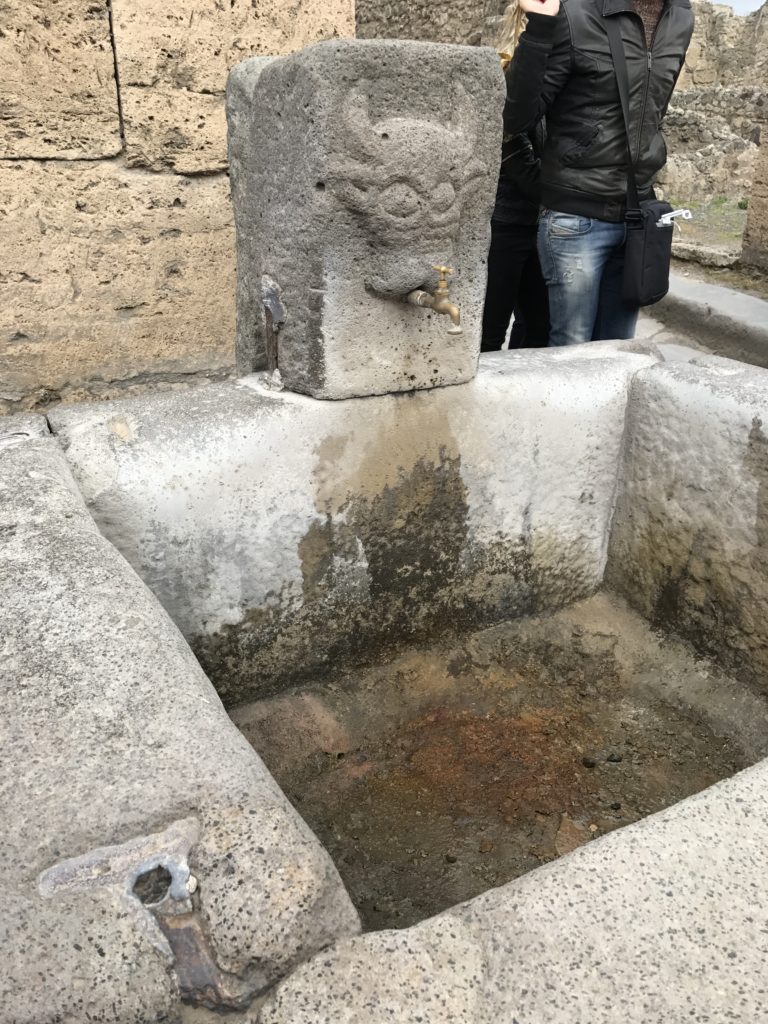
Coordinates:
(613, 29)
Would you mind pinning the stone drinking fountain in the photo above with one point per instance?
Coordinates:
(503, 643)
(358, 176)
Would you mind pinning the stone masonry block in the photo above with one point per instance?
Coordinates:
(274, 27)
(689, 545)
(59, 97)
(658, 921)
(169, 129)
(283, 533)
(173, 62)
(452, 21)
(110, 274)
(756, 235)
(356, 167)
(118, 757)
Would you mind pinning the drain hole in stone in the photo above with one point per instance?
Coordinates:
(152, 886)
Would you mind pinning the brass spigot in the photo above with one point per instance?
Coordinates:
(439, 300)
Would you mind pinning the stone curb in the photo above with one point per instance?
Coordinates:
(728, 322)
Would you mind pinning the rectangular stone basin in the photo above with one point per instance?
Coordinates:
(512, 633)
(458, 766)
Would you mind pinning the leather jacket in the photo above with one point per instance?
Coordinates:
(562, 68)
(518, 196)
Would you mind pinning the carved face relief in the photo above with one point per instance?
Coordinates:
(406, 180)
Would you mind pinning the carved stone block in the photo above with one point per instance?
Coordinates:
(357, 166)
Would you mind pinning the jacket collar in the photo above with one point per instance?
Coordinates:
(624, 6)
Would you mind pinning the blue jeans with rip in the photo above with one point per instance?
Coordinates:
(582, 260)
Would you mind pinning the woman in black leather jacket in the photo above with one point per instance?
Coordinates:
(563, 69)
(515, 282)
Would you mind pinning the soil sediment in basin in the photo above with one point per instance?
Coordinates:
(458, 767)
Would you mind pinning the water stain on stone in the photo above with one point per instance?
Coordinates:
(413, 534)
(390, 558)
(756, 462)
(316, 554)
(701, 582)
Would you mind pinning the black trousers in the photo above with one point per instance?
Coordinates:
(515, 285)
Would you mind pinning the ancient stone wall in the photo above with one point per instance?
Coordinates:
(118, 232)
(452, 21)
(756, 236)
(713, 137)
(720, 107)
(726, 49)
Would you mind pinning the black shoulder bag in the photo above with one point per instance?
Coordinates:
(648, 249)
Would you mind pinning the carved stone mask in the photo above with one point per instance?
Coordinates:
(405, 180)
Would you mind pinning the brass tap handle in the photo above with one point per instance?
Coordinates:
(443, 272)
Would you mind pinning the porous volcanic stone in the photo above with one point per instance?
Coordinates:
(110, 274)
(173, 61)
(358, 165)
(689, 546)
(59, 95)
(663, 920)
(117, 757)
(756, 236)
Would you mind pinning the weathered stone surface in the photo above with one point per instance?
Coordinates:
(756, 235)
(706, 254)
(349, 196)
(173, 63)
(176, 130)
(243, 121)
(117, 758)
(273, 27)
(110, 275)
(283, 533)
(726, 49)
(689, 546)
(712, 139)
(59, 96)
(661, 921)
(431, 973)
(37, 485)
(720, 107)
(728, 322)
(453, 21)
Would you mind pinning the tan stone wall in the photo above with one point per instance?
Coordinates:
(117, 228)
(713, 137)
(726, 49)
(720, 109)
(756, 236)
(449, 21)
(58, 96)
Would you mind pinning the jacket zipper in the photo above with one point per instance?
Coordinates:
(649, 70)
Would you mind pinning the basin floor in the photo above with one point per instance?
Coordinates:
(460, 766)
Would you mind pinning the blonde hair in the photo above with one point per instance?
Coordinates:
(512, 26)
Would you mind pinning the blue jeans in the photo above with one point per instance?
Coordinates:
(582, 260)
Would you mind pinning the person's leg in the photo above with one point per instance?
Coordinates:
(504, 268)
(616, 321)
(531, 326)
(574, 251)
